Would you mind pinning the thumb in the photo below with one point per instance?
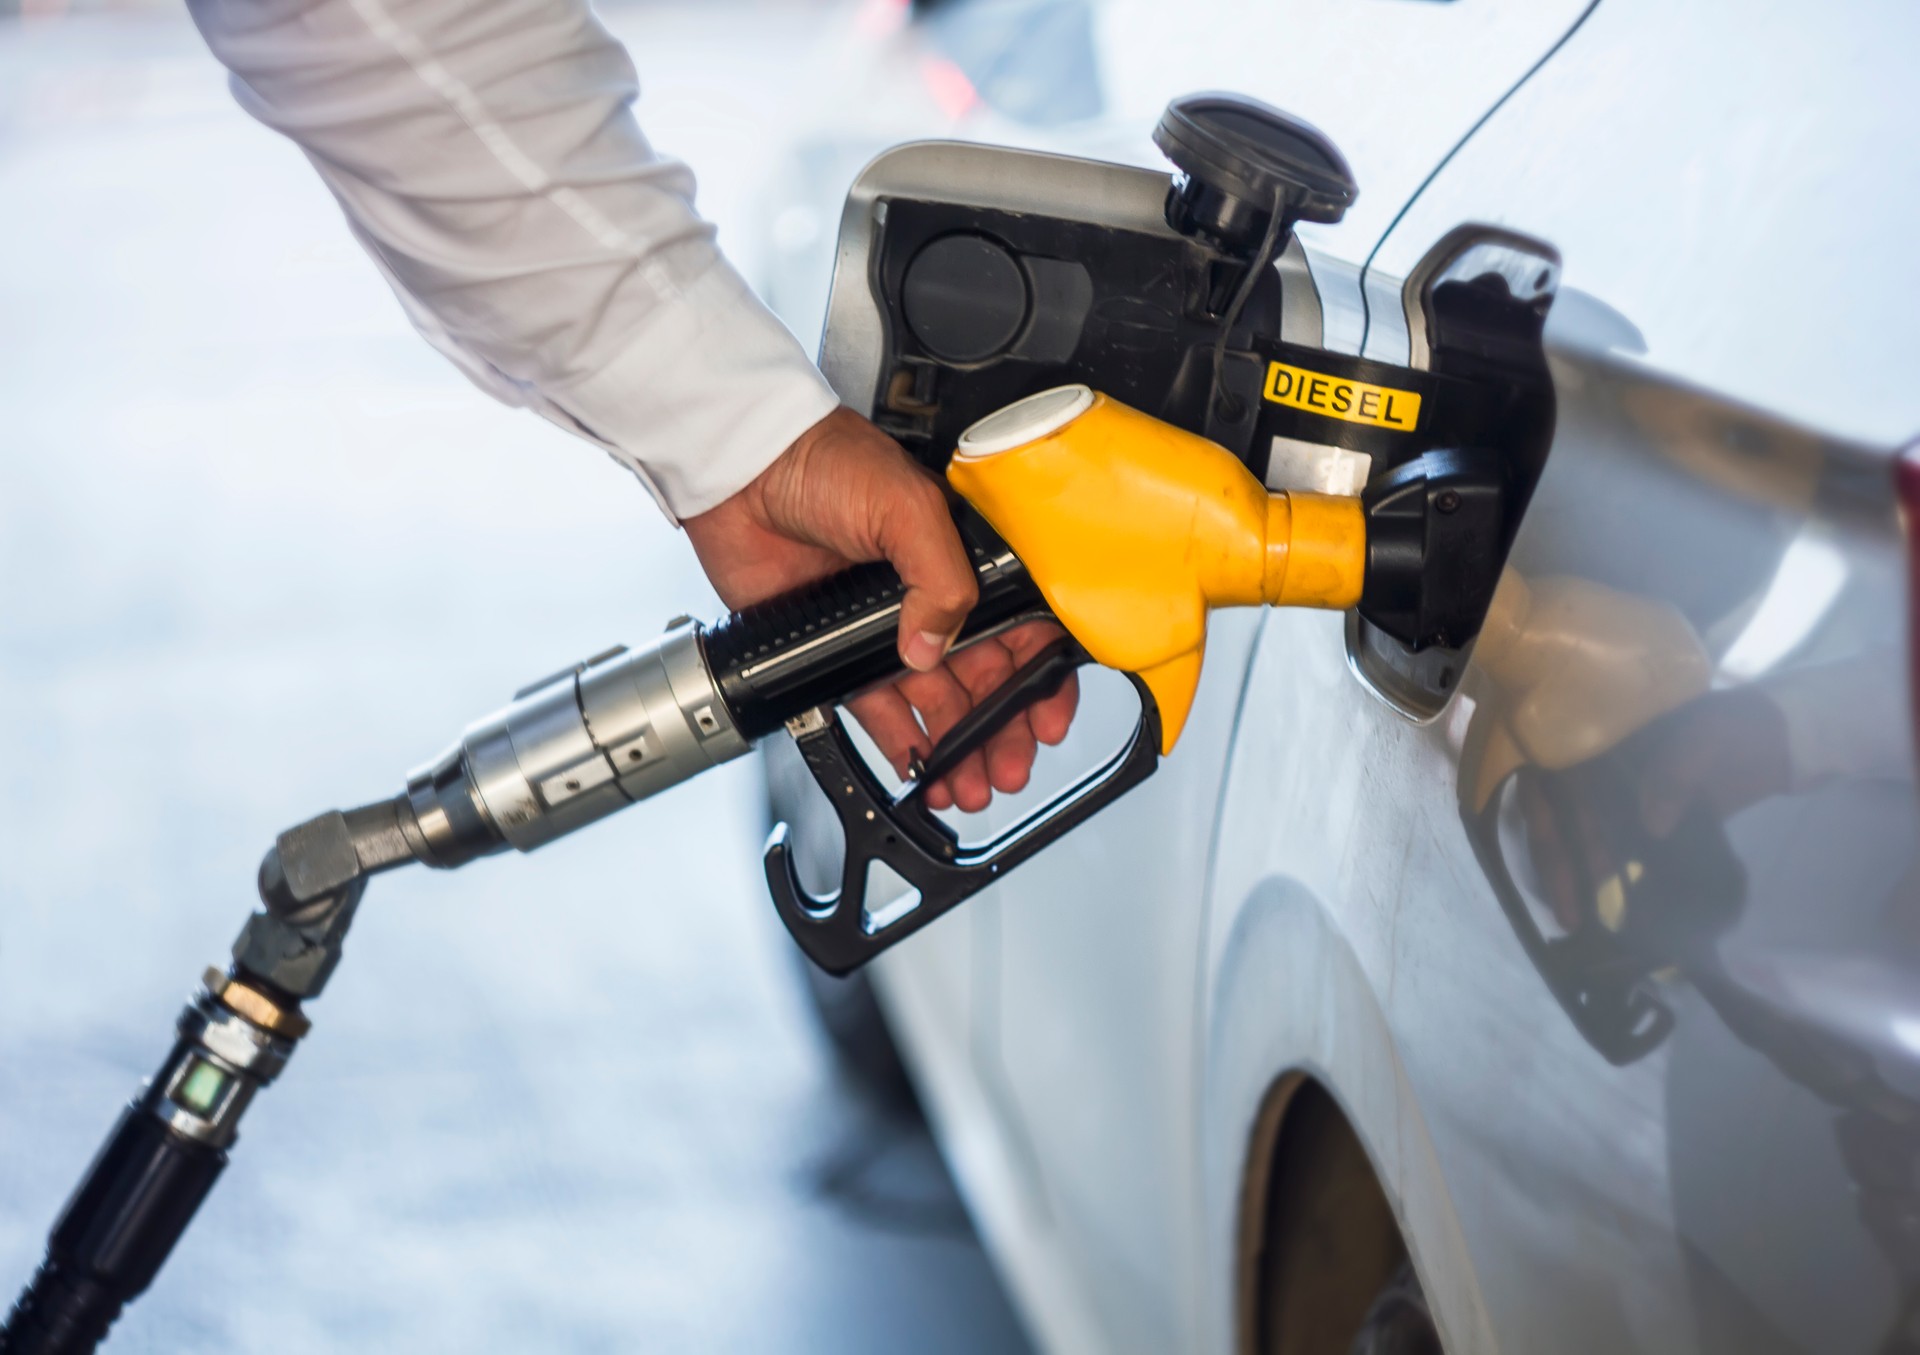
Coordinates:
(919, 540)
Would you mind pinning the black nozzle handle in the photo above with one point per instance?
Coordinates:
(119, 1226)
(839, 636)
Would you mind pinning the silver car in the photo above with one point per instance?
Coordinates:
(1555, 991)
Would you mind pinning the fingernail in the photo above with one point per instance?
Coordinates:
(925, 650)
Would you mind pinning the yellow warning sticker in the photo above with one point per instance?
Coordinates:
(1339, 398)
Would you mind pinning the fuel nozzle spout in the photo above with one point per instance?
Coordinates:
(1134, 530)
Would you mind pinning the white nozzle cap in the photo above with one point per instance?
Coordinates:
(1025, 420)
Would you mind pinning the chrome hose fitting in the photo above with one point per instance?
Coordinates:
(573, 748)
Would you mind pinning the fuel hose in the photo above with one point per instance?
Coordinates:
(560, 755)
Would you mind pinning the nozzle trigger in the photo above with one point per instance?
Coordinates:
(838, 931)
(1035, 680)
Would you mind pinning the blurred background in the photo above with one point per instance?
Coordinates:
(264, 552)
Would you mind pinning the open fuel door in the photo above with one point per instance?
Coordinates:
(968, 277)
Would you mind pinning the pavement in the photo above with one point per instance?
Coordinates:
(261, 553)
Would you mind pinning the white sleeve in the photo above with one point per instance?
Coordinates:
(486, 155)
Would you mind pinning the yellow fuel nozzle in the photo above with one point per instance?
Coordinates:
(1134, 530)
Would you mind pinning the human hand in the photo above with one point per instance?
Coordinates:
(1727, 750)
(1713, 757)
(844, 493)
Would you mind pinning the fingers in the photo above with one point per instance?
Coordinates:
(919, 540)
(1590, 826)
(1009, 753)
(1548, 850)
(889, 718)
(1679, 774)
(1049, 719)
(1005, 763)
(1662, 805)
(846, 486)
(886, 716)
(845, 491)
(941, 701)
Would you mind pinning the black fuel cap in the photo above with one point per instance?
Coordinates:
(1235, 155)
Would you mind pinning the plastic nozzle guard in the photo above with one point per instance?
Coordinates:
(1134, 530)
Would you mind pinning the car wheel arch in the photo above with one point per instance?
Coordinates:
(1288, 1008)
(1318, 1238)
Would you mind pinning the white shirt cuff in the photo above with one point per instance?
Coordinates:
(710, 390)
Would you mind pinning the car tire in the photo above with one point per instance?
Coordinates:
(1398, 1321)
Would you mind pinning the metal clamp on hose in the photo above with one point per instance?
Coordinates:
(573, 748)
(156, 1167)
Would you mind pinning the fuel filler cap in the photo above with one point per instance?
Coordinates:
(1237, 158)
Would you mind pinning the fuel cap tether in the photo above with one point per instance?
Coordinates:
(1238, 158)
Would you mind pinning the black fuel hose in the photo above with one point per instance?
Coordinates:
(117, 1228)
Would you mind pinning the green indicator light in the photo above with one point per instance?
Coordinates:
(201, 1089)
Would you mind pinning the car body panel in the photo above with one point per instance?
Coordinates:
(1312, 884)
(1730, 179)
(1720, 395)
(1111, 1035)
(1591, 1199)
(1090, 78)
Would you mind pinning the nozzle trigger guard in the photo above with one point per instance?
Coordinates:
(837, 931)
(1037, 679)
(1602, 973)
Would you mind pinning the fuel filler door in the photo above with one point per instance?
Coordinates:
(968, 277)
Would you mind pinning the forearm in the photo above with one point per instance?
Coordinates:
(487, 156)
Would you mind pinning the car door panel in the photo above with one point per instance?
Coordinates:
(1102, 911)
(1711, 1157)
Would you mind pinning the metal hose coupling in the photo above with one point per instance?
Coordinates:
(573, 748)
(156, 1167)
